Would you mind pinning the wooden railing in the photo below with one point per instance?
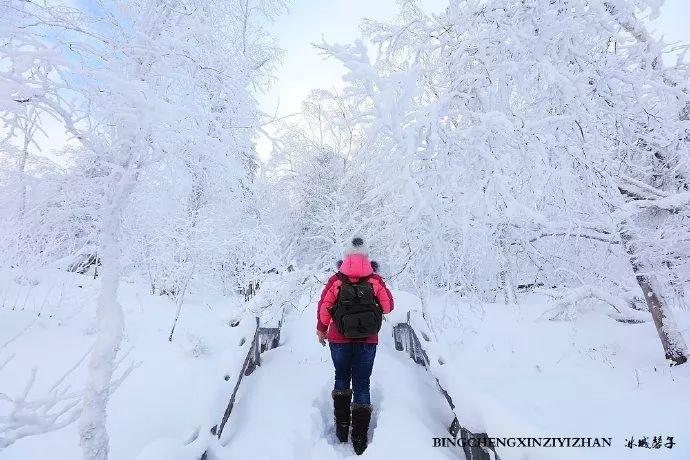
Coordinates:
(265, 338)
(406, 339)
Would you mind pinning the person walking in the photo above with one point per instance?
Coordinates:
(349, 316)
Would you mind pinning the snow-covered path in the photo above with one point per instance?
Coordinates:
(284, 408)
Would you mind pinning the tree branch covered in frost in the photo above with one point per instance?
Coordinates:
(565, 307)
(678, 202)
(58, 407)
(32, 417)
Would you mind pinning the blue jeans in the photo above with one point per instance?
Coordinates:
(353, 362)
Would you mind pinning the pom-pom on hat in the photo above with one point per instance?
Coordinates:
(356, 246)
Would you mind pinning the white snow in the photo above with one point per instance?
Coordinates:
(285, 408)
(597, 377)
(526, 151)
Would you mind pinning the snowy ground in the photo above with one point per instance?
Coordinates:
(518, 374)
(163, 397)
(286, 409)
(596, 378)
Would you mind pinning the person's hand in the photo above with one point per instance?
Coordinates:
(321, 336)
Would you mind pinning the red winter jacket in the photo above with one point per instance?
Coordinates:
(355, 266)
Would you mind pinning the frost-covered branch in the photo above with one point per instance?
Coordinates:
(672, 203)
(565, 306)
(27, 415)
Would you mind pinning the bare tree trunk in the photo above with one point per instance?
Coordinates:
(179, 299)
(671, 339)
(509, 296)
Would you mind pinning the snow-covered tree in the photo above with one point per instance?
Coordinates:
(31, 71)
(159, 97)
(507, 131)
(318, 183)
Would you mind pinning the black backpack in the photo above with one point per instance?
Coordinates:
(356, 313)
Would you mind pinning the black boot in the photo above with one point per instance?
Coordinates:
(341, 410)
(361, 416)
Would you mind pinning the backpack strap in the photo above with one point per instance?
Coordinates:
(343, 277)
(346, 279)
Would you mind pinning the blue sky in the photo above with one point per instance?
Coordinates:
(308, 22)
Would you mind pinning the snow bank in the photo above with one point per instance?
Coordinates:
(510, 373)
